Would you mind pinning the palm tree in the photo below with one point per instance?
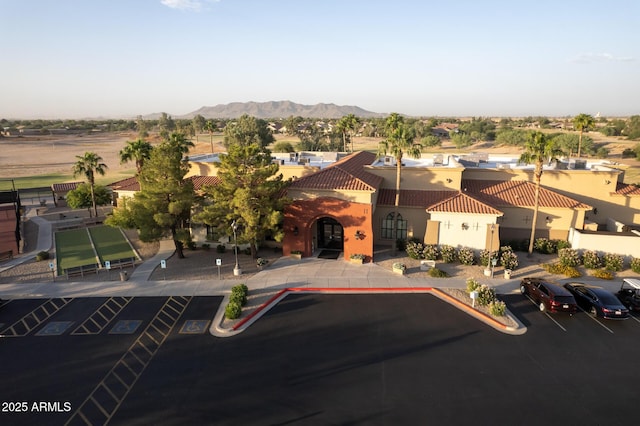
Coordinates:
(89, 164)
(538, 150)
(138, 151)
(400, 140)
(210, 127)
(180, 142)
(348, 125)
(583, 122)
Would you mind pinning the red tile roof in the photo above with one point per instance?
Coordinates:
(626, 189)
(200, 181)
(463, 203)
(347, 174)
(517, 193)
(128, 184)
(413, 197)
(65, 187)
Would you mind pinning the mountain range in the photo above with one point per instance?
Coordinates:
(276, 109)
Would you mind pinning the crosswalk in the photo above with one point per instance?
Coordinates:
(103, 316)
(33, 319)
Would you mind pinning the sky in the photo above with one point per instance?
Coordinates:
(123, 58)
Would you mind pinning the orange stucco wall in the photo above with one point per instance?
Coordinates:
(303, 214)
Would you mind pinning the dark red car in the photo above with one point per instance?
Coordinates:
(548, 296)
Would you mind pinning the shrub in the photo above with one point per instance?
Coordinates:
(437, 273)
(612, 262)
(486, 295)
(559, 269)
(448, 253)
(261, 262)
(561, 244)
(401, 244)
(357, 256)
(430, 252)
(191, 245)
(635, 264)
(415, 250)
(232, 310)
(466, 256)
(602, 274)
(247, 251)
(508, 259)
(472, 285)
(239, 294)
(206, 246)
(485, 257)
(42, 255)
(569, 257)
(497, 308)
(545, 246)
(221, 248)
(591, 260)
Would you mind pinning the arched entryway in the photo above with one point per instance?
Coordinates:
(330, 234)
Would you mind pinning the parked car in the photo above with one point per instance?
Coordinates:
(629, 293)
(548, 296)
(598, 301)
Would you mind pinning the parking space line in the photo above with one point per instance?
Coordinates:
(103, 316)
(546, 313)
(27, 323)
(596, 320)
(176, 304)
(634, 317)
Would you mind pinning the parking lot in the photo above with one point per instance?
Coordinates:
(313, 359)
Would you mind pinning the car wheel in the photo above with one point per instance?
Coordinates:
(523, 290)
(542, 307)
(593, 311)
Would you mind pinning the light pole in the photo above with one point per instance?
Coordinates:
(493, 228)
(236, 270)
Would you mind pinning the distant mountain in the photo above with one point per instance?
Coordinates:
(280, 109)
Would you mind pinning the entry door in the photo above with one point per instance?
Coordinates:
(330, 234)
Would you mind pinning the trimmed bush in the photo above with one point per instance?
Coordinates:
(569, 257)
(612, 262)
(562, 244)
(437, 273)
(221, 248)
(232, 310)
(448, 254)
(430, 252)
(472, 285)
(559, 269)
(466, 256)
(635, 264)
(591, 260)
(508, 259)
(486, 295)
(485, 257)
(206, 246)
(545, 246)
(602, 274)
(497, 308)
(42, 255)
(239, 294)
(415, 250)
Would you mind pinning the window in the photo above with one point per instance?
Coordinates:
(387, 227)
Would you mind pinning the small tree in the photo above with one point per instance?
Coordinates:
(80, 198)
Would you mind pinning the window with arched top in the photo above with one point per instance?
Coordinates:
(387, 227)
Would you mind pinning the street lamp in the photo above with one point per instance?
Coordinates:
(236, 270)
(493, 228)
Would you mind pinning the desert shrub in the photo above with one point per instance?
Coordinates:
(401, 244)
(485, 257)
(239, 294)
(466, 256)
(191, 245)
(448, 253)
(508, 259)
(430, 252)
(559, 269)
(42, 255)
(232, 310)
(497, 308)
(635, 264)
(206, 246)
(561, 244)
(612, 262)
(569, 257)
(221, 248)
(486, 295)
(472, 285)
(438, 273)
(415, 250)
(602, 274)
(545, 246)
(591, 259)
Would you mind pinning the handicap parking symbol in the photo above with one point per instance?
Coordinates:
(125, 327)
(54, 328)
(194, 326)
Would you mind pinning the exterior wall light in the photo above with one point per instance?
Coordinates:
(296, 231)
(359, 235)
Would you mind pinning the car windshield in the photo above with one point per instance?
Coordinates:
(609, 299)
(564, 299)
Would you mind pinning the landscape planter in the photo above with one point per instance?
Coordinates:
(398, 271)
(296, 256)
(357, 261)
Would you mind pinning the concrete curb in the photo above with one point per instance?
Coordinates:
(219, 331)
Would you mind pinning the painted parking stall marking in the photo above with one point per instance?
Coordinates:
(546, 313)
(125, 327)
(596, 320)
(105, 399)
(54, 328)
(33, 319)
(103, 316)
(194, 327)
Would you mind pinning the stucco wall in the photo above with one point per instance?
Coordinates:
(627, 244)
(421, 178)
(473, 234)
(416, 222)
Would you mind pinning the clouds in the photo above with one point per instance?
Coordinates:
(591, 58)
(188, 5)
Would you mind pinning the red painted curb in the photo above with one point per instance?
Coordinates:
(254, 313)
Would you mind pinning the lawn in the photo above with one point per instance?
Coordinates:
(73, 249)
(110, 243)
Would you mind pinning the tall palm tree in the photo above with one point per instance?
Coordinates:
(583, 122)
(180, 142)
(538, 150)
(138, 151)
(400, 141)
(348, 125)
(89, 164)
(210, 127)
